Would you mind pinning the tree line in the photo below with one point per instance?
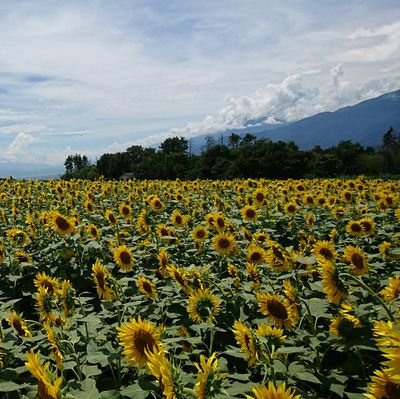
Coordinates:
(242, 157)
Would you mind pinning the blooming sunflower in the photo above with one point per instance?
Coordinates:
(290, 208)
(22, 257)
(51, 283)
(58, 356)
(62, 224)
(324, 249)
(256, 254)
(100, 276)
(209, 378)
(272, 392)
(146, 287)
(163, 261)
(333, 287)
(180, 276)
(249, 213)
(277, 309)
(199, 233)
(245, 338)
(368, 225)
(356, 259)
(274, 335)
(160, 367)
(156, 205)
(137, 338)
(48, 384)
(382, 387)
(203, 306)
(354, 228)
(123, 257)
(125, 210)
(93, 231)
(16, 321)
(110, 217)
(224, 243)
(259, 196)
(179, 220)
(392, 291)
(17, 237)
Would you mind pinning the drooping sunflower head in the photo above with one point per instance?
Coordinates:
(332, 285)
(110, 217)
(224, 243)
(136, 337)
(123, 257)
(392, 291)
(101, 277)
(203, 306)
(146, 287)
(180, 276)
(273, 335)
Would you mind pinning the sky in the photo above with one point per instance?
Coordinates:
(92, 77)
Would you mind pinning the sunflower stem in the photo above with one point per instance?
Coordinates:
(370, 291)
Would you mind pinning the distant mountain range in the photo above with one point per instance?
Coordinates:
(364, 123)
(19, 170)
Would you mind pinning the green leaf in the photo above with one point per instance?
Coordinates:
(306, 376)
(134, 391)
(338, 389)
(9, 386)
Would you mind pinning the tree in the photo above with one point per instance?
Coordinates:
(233, 140)
(174, 145)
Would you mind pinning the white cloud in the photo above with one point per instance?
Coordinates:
(18, 146)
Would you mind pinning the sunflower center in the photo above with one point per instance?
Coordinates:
(144, 340)
(260, 197)
(356, 227)
(178, 219)
(250, 213)
(291, 208)
(220, 223)
(62, 223)
(277, 309)
(93, 232)
(200, 233)
(392, 390)
(147, 287)
(100, 280)
(224, 243)
(326, 253)
(164, 232)
(367, 226)
(256, 257)
(357, 260)
(125, 257)
(111, 218)
(125, 211)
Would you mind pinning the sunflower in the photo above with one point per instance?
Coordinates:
(110, 217)
(290, 208)
(58, 356)
(16, 321)
(261, 237)
(277, 258)
(162, 369)
(48, 384)
(249, 213)
(245, 338)
(93, 231)
(100, 276)
(22, 257)
(180, 276)
(146, 287)
(224, 243)
(333, 287)
(163, 261)
(199, 233)
(179, 220)
(382, 387)
(385, 249)
(259, 196)
(51, 283)
(368, 225)
(252, 271)
(62, 224)
(256, 254)
(272, 392)
(345, 322)
(220, 221)
(17, 237)
(209, 378)
(156, 205)
(355, 228)
(277, 309)
(125, 210)
(162, 230)
(392, 291)
(44, 303)
(138, 337)
(357, 260)
(324, 249)
(274, 335)
(203, 306)
(88, 205)
(123, 257)
(143, 223)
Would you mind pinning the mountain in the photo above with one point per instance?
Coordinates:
(364, 123)
(32, 171)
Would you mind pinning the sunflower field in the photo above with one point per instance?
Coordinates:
(257, 289)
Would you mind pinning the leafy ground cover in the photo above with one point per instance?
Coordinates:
(204, 289)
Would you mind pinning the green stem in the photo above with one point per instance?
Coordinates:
(365, 286)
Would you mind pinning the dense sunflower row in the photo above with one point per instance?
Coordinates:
(206, 289)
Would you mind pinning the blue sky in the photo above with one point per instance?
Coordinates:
(97, 76)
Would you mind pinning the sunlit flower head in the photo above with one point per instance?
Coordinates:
(146, 287)
(203, 306)
(123, 257)
(271, 392)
